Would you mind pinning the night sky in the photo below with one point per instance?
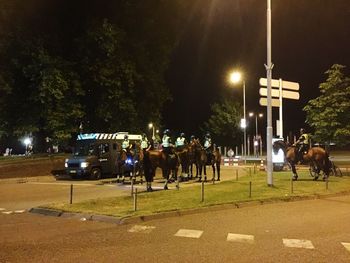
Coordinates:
(307, 38)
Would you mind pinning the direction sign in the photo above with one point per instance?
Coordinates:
(276, 84)
(274, 102)
(287, 94)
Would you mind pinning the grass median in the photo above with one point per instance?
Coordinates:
(226, 192)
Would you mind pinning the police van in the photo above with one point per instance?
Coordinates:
(96, 155)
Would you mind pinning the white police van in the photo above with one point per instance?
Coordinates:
(278, 159)
(96, 155)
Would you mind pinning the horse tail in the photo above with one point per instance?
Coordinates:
(328, 164)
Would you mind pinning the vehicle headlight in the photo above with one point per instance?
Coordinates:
(84, 164)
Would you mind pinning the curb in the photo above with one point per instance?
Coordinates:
(175, 213)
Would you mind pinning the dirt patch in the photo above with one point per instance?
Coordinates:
(30, 168)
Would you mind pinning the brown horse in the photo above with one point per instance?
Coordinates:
(153, 159)
(204, 158)
(316, 156)
(184, 157)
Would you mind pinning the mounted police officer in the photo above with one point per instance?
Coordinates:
(208, 146)
(145, 145)
(192, 138)
(181, 142)
(302, 144)
(126, 146)
(166, 142)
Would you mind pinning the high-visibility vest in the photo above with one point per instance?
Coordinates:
(180, 141)
(125, 144)
(166, 141)
(144, 144)
(207, 143)
(306, 138)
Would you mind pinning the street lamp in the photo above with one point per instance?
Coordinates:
(236, 77)
(151, 126)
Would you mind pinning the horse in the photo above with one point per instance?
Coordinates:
(184, 156)
(153, 159)
(192, 159)
(130, 163)
(203, 158)
(315, 156)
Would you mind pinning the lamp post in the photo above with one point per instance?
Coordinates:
(151, 126)
(236, 77)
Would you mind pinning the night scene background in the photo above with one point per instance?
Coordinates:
(171, 62)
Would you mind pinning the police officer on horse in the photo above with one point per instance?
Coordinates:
(166, 142)
(208, 146)
(302, 144)
(181, 142)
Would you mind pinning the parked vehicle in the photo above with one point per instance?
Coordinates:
(96, 155)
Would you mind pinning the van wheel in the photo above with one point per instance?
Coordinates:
(95, 174)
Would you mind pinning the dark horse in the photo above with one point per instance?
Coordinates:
(184, 154)
(203, 159)
(316, 156)
(153, 159)
(130, 163)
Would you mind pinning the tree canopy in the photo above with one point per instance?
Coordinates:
(329, 114)
(100, 67)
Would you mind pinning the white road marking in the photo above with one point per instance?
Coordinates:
(189, 233)
(141, 229)
(346, 245)
(8, 212)
(240, 238)
(2, 209)
(298, 243)
(19, 211)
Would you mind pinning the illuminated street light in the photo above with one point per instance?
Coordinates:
(151, 126)
(236, 77)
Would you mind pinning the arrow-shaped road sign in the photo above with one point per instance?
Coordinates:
(275, 83)
(287, 94)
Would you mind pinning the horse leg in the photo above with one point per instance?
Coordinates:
(199, 169)
(295, 175)
(213, 166)
(166, 173)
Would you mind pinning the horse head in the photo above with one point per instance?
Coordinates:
(279, 145)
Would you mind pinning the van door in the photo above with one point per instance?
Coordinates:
(104, 157)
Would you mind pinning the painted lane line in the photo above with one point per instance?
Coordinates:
(2, 209)
(346, 245)
(298, 243)
(240, 238)
(19, 211)
(189, 233)
(8, 212)
(141, 229)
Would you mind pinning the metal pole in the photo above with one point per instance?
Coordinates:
(71, 194)
(202, 192)
(280, 108)
(269, 67)
(135, 199)
(256, 126)
(245, 126)
(250, 189)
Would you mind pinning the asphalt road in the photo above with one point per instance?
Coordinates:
(319, 229)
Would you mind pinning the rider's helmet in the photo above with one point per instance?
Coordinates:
(166, 132)
(144, 136)
(193, 137)
(126, 137)
(182, 134)
(207, 135)
(302, 130)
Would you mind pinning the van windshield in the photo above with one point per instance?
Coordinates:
(84, 149)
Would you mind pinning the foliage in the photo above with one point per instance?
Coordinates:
(329, 114)
(103, 67)
(224, 122)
